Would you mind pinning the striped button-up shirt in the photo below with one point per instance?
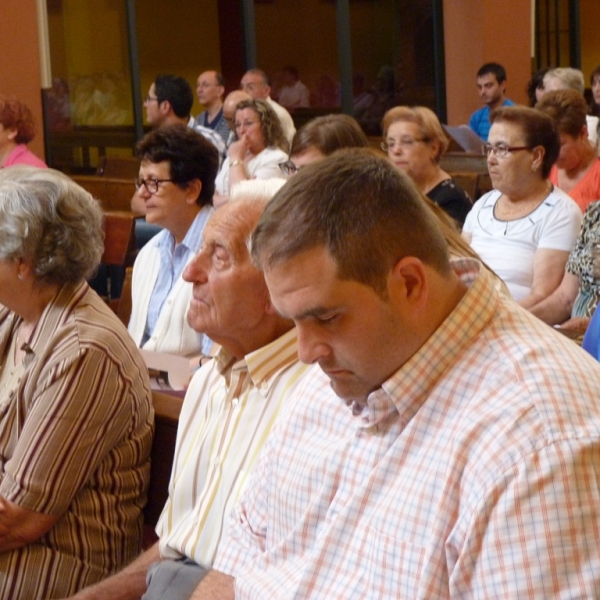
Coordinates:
(228, 411)
(75, 438)
(473, 472)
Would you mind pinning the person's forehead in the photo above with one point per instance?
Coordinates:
(160, 169)
(208, 77)
(505, 130)
(245, 113)
(487, 78)
(252, 78)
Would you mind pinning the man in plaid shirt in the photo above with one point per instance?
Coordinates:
(446, 443)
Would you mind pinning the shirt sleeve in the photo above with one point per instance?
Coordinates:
(589, 225)
(561, 228)
(535, 534)
(78, 412)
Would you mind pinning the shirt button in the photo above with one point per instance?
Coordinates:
(264, 385)
(153, 338)
(216, 461)
(371, 430)
(235, 402)
(169, 301)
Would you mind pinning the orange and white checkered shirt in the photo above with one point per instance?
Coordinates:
(473, 472)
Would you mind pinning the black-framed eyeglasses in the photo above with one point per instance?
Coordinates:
(289, 168)
(501, 150)
(150, 184)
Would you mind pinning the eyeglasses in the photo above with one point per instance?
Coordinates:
(150, 184)
(289, 168)
(246, 124)
(252, 85)
(150, 98)
(406, 142)
(501, 150)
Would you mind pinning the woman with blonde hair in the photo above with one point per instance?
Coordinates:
(415, 141)
(256, 154)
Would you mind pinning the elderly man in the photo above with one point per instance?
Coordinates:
(445, 443)
(210, 88)
(255, 82)
(491, 85)
(230, 406)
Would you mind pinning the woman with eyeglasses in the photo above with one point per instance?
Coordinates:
(524, 228)
(257, 152)
(323, 136)
(415, 141)
(176, 183)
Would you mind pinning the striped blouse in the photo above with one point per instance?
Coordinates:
(75, 438)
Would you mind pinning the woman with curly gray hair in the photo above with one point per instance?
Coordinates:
(75, 409)
(258, 150)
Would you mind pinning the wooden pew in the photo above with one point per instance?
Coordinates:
(112, 193)
(167, 408)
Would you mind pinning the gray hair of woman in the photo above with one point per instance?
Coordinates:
(50, 222)
(269, 123)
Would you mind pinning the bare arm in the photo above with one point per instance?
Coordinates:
(20, 526)
(215, 586)
(466, 236)
(128, 584)
(548, 272)
(557, 307)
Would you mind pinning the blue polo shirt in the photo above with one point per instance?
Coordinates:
(480, 120)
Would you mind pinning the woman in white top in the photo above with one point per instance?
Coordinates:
(525, 228)
(260, 147)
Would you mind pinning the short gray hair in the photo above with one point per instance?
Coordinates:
(572, 79)
(51, 222)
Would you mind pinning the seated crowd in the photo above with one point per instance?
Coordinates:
(377, 406)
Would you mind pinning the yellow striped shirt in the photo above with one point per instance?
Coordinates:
(228, 411)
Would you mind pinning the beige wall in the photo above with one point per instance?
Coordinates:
(480, 31)
(20, 60)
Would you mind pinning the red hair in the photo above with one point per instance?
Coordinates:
(15, 115)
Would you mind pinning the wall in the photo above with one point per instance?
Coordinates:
(20, 60)
(480, 31)
(590, 45)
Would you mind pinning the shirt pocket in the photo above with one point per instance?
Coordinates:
(392, 567)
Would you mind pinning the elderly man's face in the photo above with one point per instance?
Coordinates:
(358, 338)
(254, 85)
(230, 297)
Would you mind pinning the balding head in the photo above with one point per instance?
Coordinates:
(230, 104)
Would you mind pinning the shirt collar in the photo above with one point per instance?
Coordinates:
(409, 387)
(263, 365)
(193, 238)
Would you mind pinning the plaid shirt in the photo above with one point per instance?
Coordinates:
(473, 472)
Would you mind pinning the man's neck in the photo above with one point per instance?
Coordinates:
(213, 109)
(498, 103)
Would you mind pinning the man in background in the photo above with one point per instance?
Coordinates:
(210, 88)
(255, 83)
(491, 85)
